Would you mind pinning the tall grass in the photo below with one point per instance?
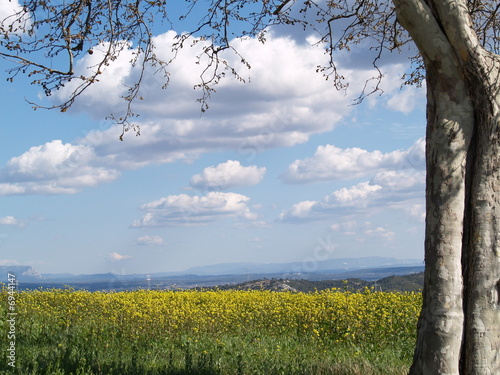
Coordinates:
(211, 332)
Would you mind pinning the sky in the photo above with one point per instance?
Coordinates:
(281, 168)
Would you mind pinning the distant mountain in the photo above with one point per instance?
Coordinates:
(22, 273)
(98, 277)
(397, 279)
(408, 283)
(369, 269)
(330, 265)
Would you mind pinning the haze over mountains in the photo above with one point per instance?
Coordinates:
(308, 266)
(371, 268)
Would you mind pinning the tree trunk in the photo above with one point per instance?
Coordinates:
(482, 248)
(459, 326)
(450, 121)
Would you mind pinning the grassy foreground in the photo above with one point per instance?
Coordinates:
(209, 332)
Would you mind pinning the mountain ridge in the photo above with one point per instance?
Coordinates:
(113, 282)
(308, 266)
(329, 266)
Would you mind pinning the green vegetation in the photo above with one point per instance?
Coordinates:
(407, 283)
(211, 332)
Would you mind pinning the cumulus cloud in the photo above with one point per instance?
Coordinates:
(185, 210)
(283, 104)
(356, 197)
(399, 180)
(402, 190)
(227, 175)
(406, 100)
(53, 168)
(150, 240)
(9, 220)
(280, 70)
(333, 163)
(381, 233)
(8, 9)
(346, 227)
(115, 257)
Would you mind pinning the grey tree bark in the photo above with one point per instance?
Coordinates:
(481, 255)
(459, 327)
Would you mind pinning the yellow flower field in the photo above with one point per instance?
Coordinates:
(222, 331)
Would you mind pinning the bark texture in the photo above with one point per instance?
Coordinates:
(459, 327)
(482, 250)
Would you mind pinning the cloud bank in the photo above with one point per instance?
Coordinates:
(188, 211)
(333, 163)
(397, 182)
(283, 103)
(54, 168)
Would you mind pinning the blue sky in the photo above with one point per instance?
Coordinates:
(281, 168)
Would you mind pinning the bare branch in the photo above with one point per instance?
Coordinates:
(44, 38)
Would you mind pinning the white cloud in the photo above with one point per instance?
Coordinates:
(347, 227)
(115, 257)
(300, 210)
(381, 233)
(227, 175)
(150, 240)
(252, 224)
(399, 180)
(406, 100)
(333, 163)
(363, 230)
(359, 196)
(418, 211)
(9, 220)
(283, 104)
(281, 71)
(9, 9)
(401, 190)
(9, 262)
(53, 168)
(354, 196)
(185, 210)
(414, 208)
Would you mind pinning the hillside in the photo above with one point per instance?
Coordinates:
(407, 283)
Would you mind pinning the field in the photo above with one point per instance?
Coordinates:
(209, 332)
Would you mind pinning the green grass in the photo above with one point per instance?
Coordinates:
(231, 355)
